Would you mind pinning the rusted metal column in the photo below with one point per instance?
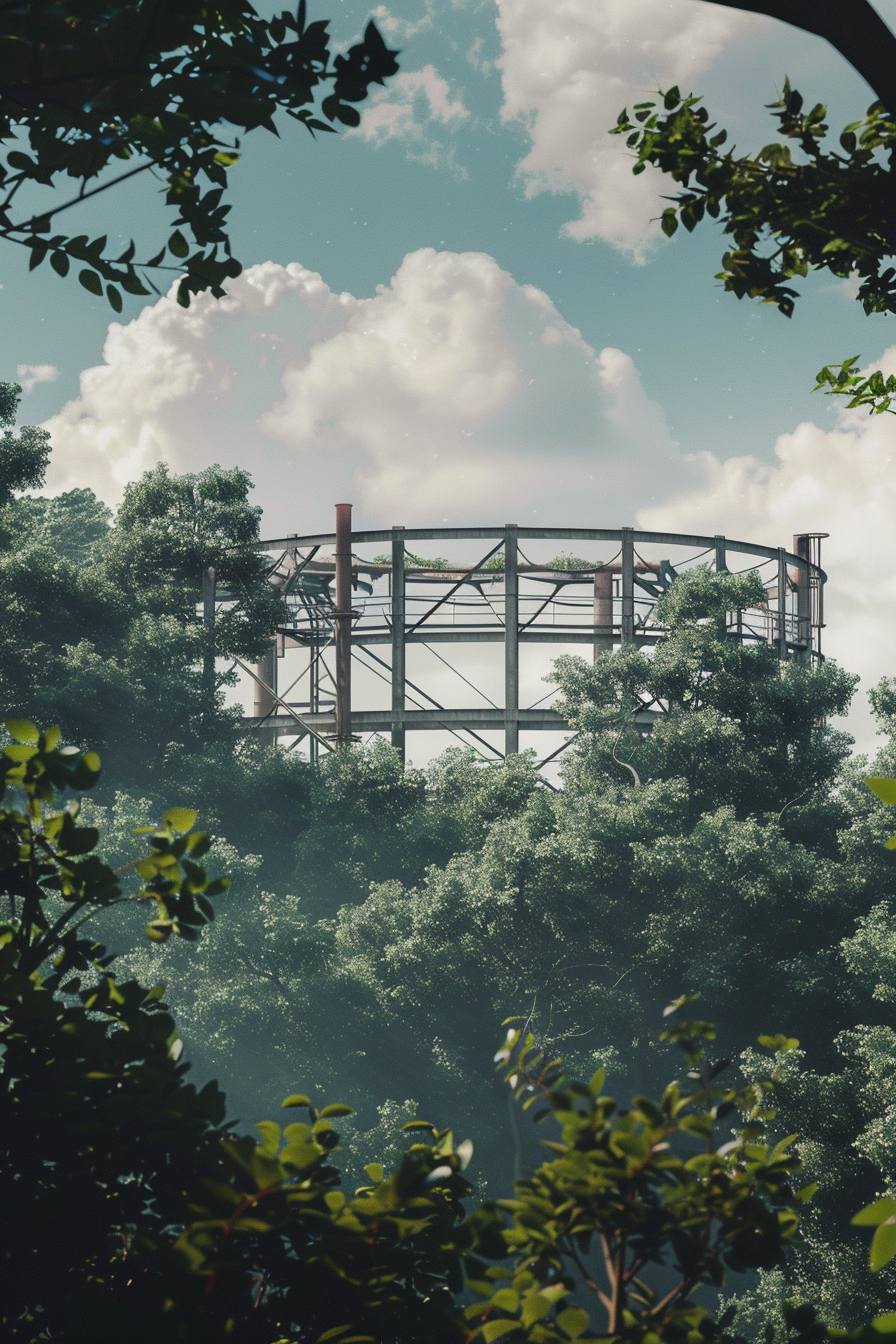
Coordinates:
(266, 670)
(511, 642)
(628, 585)
(603, 612)
(398, 644)
(343, 619)
(803, 597)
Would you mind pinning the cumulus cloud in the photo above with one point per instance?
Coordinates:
(840, 480)
(29, 375)
(567, 70)
(454, 393)
(416, 109)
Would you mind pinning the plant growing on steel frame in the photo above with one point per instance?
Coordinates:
(664, 1189)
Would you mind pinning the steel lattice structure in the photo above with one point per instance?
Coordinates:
(346, 607)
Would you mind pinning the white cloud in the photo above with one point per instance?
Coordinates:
(840, 480)
(29, 375)
(453, 393)
(568, 68)
(415, 108)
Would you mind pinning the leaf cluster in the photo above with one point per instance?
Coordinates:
(632, 1193)
(828, 210)
(97, 91)
(875, 390)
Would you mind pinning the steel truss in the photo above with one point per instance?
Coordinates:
(503, 597)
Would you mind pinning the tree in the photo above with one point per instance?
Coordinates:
(23, 459)
(638, 1208)
(128, 1201)
(97, 93)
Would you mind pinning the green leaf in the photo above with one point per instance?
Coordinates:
(23, 730)
(179, 819)
(295, 1099)
(596, 1085)
(60, 263)
(114, 297)
(874, 1214)
(883, 1246)
(374, 1171)
(574, 1321)
(779, 1044)
(495, 1329)
(92, 282)
(884, 788)
(270, 1137)
(178, 245)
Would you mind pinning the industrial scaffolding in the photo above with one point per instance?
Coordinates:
(343, 606)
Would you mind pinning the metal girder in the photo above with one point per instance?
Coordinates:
(503, 605)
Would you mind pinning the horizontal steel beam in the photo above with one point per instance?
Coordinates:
(458, 635)
(541, 534)
(381, 720)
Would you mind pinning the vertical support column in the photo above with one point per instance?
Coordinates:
(398, 644)
(803, 597)
(343, 619)
(511, 641)
(782, 603)
(314, 685)
(208, 621)
(603, 612)
(721, 558)
(628, 585)
(266, 670)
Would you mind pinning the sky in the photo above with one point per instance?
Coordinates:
(463, 311)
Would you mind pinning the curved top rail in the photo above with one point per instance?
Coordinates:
(544, 533)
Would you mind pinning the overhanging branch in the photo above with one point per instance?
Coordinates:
(853, 27)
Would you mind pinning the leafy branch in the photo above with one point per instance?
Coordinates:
(831, 210)
(85, 86)
(875, 390)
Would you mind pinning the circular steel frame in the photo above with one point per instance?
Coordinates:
(507, 597)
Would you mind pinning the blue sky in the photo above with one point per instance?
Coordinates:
(540, 351)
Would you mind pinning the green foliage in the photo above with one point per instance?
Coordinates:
(569, 563)
(414, 561)
(638, 1208)
(23, 458)
(182, 1230)
(97, 93)
(874, 390)
(71, 524)
(885, 789)
(786, 215)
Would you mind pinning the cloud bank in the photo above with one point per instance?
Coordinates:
(454, 393)
(840, 480)
(568, 68)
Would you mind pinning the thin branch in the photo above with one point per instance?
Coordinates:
(76, 200)
(586, 1277)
